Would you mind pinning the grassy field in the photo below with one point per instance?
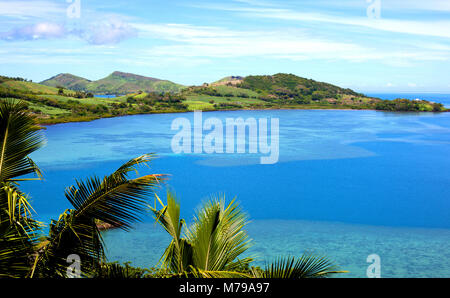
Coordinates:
(223, 89)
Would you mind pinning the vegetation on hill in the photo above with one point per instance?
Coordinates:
(405, 105)
(67, 81)
(56, 105)
(290, 91)
(119, 83)
(287, 88)
(282, 91)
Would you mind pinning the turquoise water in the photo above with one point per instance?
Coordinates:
(404, 252)
(348, 184)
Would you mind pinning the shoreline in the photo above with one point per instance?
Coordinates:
(93, 118)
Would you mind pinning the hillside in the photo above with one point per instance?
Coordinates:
(230, 81)
(290, 91)
(116, 83)
(291, 88)
(281, 91)
(21, 85)
(53, 105)
(68, 81)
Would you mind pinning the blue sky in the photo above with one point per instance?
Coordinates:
(404, 46)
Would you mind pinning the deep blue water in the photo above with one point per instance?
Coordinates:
(348, 184)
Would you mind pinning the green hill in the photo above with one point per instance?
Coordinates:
(68, 81)
(291, 88)
(53, 105)
(21, 85)
(115, 83)
(290, 91)
(280, 91)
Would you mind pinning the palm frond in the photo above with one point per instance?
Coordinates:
(217, 235)
(118, 271)
(199, 273)
(178, 255)
(114, 200)
(307, 266)
(19, 137)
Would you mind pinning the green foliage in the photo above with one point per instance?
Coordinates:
(158, 101)
(117, 271)
(116, 83)
(405, 105)
(67, 81)
(284, 88)
(211, 246)
(19, 137)
(52, 105)
(115, 200)
(307, 266)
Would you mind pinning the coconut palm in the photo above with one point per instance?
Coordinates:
(211, 246)
(19, 136)
(115, 200)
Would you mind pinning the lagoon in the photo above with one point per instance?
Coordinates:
(347, 184)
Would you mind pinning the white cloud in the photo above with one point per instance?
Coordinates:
(433, 5)
(35, 31)
(109, 32)
(216, 42)
(438, 28)
(26, 9)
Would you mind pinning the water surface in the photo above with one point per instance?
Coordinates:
(348, 184)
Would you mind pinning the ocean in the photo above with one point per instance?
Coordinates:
(347, 184)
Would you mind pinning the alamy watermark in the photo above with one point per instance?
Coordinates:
(374, 269)
(374, 9)
(74, 9)
(74, 269)
(213, 136)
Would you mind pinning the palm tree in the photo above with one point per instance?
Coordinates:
(19, 136)
(115, 199)
(211, 246)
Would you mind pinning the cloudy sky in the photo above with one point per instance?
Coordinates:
(367, 45)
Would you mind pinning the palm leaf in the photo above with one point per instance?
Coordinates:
(19, 137)
(178, 255)
(212, 244)
(307, 266)
(114, 200)
(217, 235)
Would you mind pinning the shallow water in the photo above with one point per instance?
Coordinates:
(382, 176)
(404, 252)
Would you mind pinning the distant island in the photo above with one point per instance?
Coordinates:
(69, 98)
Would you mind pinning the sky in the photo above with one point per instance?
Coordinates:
(367, 45)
